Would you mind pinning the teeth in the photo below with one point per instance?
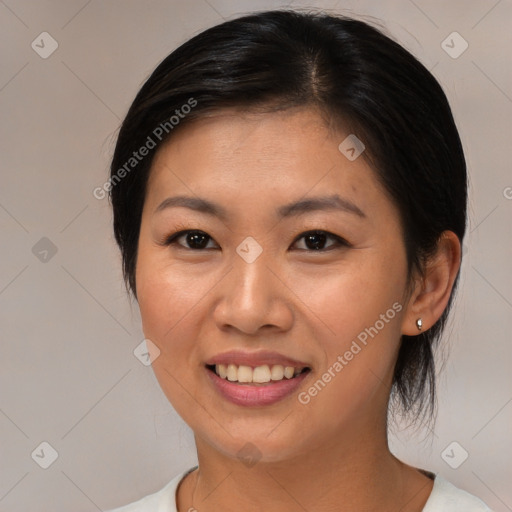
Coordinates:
(289, 371)
(222, 370)
(232, 372)
(259, 375)
(277, 372)
(244, 374)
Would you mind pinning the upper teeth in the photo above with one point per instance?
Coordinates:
(260, 374)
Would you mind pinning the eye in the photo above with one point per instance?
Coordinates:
(196, 240)
(315, 241)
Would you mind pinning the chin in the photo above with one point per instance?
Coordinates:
(252, 447)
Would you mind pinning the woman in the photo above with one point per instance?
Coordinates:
(289, 197)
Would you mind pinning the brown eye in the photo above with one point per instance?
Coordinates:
(194, 239)
(316, 240)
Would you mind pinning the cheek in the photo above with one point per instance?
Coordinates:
(169, 303)
(167, 292)
(174, 307)
(359, 312)
(351, 297)
(166, 300)
(359, 353)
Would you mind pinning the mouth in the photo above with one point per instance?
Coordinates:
(256, 394)
(257, 386)
(258, 375)
(255, 378)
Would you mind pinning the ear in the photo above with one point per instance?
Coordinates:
(432, 291)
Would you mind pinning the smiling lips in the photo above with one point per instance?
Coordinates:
(261, 378)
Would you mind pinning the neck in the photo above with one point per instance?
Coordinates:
(358, 474)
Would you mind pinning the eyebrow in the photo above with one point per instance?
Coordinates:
(333, 202)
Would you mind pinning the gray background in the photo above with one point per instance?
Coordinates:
(69, 376)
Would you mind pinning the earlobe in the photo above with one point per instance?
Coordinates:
(432, 292)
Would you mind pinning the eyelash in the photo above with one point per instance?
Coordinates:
(340, 242)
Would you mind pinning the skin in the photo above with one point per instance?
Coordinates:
(332, 453)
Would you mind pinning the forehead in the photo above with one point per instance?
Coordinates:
(247, 156)
(233, 135)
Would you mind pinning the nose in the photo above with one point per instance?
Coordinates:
(254, 297)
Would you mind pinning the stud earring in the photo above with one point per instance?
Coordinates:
(419, 324)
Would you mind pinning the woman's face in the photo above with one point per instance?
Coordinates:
(254, 289)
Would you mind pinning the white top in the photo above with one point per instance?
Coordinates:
(445, 497)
